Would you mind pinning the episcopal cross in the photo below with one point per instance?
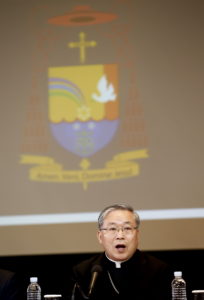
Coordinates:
(82, 45)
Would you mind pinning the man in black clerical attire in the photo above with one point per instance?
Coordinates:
(122, 271)
(11, 286)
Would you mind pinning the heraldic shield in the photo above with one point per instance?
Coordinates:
(83, 107)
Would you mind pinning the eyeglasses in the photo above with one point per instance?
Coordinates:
(113, 230)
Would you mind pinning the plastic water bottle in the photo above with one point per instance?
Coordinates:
(178, 287)
(34, 289)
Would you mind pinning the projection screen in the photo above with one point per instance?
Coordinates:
(102, 103)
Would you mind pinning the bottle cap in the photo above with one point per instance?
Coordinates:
(177, 273)
(33, 279)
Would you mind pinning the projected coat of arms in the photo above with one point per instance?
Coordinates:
(84, 108)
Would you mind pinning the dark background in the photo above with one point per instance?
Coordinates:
(53, 271)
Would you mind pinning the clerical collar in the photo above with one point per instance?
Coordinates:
(117, 263)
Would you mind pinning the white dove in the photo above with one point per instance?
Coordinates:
(106, 91)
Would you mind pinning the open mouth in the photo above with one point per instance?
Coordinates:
(120, 246)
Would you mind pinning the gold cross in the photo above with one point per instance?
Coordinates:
(82, 44)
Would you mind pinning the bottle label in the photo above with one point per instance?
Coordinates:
(34, 296)
(179, 294)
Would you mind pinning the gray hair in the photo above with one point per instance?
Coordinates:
(111, 208)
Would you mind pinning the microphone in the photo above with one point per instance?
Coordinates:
(96, 269)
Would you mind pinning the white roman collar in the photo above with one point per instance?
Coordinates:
(117, 263)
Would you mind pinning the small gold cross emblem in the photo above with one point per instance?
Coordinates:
(82, 45)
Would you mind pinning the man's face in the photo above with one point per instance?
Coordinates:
(119, 246)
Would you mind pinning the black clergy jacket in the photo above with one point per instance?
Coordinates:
(142, 277)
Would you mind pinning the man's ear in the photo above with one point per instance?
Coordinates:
(99, 236)
(138, 236)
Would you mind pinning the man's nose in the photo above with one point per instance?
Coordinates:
(120, 232)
